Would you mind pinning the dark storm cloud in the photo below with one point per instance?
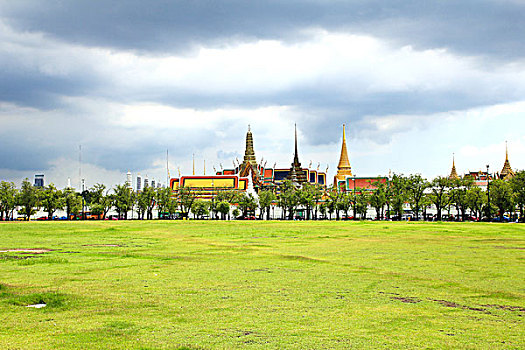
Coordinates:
(494, 28)
(34, 89)
(24, 155)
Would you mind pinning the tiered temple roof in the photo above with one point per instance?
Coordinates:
(249, 155)
(453, 173)
(506, 172)
(296, 173)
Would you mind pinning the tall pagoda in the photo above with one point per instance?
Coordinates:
(507, 172)
(249, 161)
(343, 168)
(453, 173)
(296, 174)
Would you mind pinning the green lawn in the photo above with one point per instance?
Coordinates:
(271, 285)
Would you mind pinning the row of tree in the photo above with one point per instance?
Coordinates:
(388, 200)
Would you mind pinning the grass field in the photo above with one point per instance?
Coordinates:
(271, 285)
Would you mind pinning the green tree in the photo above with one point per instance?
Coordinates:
(318, 192)
(501, 196)
(124, 199)
(426, 203)
(388, 197)
(223, 207)
(236, 212)
(141, 203)
(200, 208)
(518, 187)
(458, 194)
(475, 200)
(101, 201)
(151, 203)
(72, 202)
(288, 199)
(378, 198)
(323, 209)
(332, 202)
(306, 197)
(51, 200)
(164, 199)
(229, 196)
(247, 204)
(28, 199)
(416, 186)
(361, 203)
(399, 192)
(439, 196)
(8, 194)
(266, 198)
(344, 203)
(185, 198)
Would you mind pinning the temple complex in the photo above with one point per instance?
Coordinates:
(249, 174)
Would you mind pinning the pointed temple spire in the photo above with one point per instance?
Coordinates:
(249, 160)
(453, 173)
(507, 172)
(343, 168)
(296, 173)
(296, 154)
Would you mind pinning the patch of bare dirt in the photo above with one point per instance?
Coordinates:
(16, 257)
(264, 269)
(447, 303)
(408, 300)
(507, 247)
(506, 307)
(26, 251)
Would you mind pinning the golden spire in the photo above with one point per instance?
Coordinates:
(249, 153)
(193, 163)
(453, 174)
(343, 169)
(507, 172)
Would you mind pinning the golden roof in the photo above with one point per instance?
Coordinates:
(249, 153)
(507, 172)
(453, 173)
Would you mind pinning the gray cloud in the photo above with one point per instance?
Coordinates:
(493, 28)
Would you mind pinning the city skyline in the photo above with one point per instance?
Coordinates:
(413, 82)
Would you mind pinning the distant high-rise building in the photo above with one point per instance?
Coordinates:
(139, 183)
(146, 181)
(39, 180)
(153, 183)
(158, 185)
(68, 182)
(129, 180)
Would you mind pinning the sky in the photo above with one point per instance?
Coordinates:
(415, 82)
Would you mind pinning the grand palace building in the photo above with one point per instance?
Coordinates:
(253, 176)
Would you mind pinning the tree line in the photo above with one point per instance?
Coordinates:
(388, 200)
